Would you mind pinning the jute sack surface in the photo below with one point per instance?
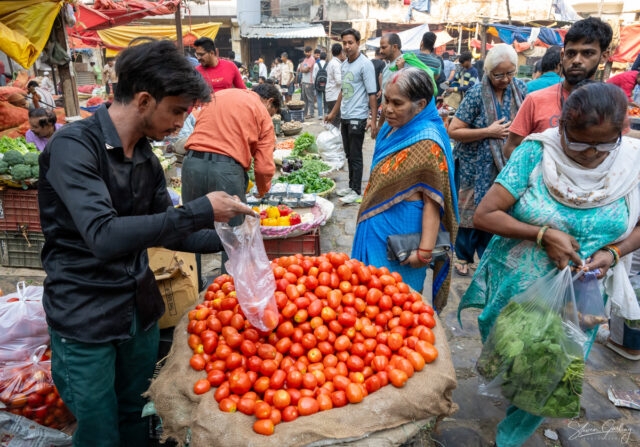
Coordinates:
(427, 394)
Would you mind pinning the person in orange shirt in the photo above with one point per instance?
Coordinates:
(231, 131)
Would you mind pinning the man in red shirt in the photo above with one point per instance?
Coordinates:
(585, 47)
(626, 81)
(219, 73)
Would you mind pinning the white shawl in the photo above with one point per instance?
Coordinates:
(578, 187)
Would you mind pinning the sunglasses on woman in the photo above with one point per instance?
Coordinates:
(580, 147)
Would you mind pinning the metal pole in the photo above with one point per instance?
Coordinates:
(459, 39)
(178, 19)
(483, 44)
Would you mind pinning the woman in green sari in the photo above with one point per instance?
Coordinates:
(566, 195)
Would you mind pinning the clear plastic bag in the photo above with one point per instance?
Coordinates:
(330, 148)
(23, 325)
(589, 300)
(534, 354)
(251, 271)
(27, 389)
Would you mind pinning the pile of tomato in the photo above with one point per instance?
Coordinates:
(28, 390)
(635, 111)
(344, 330)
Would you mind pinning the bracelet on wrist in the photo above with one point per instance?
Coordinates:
(424, 251)
(425, 260)
(541, 233)
(614, 253)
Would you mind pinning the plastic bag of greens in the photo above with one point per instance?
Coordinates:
(251, 271)
(589, 300)
(534, 354)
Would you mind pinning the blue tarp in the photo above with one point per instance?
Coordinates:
(509, 33)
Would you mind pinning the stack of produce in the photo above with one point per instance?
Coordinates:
(19, 161)
(344, 331)
(278, 216)
(304, 143)
(312, 182)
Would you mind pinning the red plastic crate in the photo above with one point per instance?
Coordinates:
(19, 210)
(307, 244)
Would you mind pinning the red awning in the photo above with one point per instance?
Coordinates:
(107, 14)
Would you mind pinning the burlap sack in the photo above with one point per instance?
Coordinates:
(427, 394)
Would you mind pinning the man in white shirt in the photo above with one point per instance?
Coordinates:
(262, 69)
(47, 83)
(334, 81)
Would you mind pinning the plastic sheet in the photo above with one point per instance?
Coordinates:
(330, 148)
(251, 270)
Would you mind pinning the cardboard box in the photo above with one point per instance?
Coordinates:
(177, 279)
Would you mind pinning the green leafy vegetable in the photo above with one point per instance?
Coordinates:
(542, 366)
(17, 144)
(312, 182)
(304, 143)
(315, 165)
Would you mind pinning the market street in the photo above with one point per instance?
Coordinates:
(600, 424)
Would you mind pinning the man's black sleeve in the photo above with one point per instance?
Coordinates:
(74, 175)
(203, 241)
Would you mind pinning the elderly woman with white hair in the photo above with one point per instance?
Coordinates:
(480, 127)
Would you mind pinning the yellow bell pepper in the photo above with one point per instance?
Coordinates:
(270, 222)
(273, 212)
(256, 209)
(249, 186)
(283, 221)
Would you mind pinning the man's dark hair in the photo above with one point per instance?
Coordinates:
(537, 67)
(352, 32)
(205, 43)
(232, 55)
(592, 103)
(377, 53)
(307, 48)
(336, 49)
(267, 91)
(429, 40)
(551, 59)
(269, 81)
(590, 30)
(465, 56)
(159, 69)
(445, 56)
(317, 51)
(393, 39)
(92, 63)
(323, 56)
(263, 78)
(32, 84)
(46, 116)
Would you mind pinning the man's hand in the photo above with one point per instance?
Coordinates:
(374, 129)
(400, 63)
(499, 129)
(449, 90)
(329, 118)
(225, 207)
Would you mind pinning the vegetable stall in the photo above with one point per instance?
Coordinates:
(351, 351)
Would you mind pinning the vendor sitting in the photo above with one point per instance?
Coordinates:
(43, 125)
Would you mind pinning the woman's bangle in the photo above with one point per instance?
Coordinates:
(617, 250)
(425, 251)
(541, 233)
(615, 253)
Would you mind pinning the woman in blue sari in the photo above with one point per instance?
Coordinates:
(409, 188)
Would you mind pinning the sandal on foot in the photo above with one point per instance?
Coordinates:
(459, 266)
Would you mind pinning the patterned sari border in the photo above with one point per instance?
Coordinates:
(434, 194)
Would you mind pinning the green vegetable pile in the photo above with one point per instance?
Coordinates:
(20, 166)
(304, 143)
(542, 366)
(315, 165)
(312, 182)
(16, 144)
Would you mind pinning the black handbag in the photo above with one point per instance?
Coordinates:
(400, 246)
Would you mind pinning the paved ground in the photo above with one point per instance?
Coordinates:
(600, 423)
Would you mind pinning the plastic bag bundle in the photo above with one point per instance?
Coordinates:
(534, 354)
(23, 326)
(589, 300)
(251, 270)
(330, 148)
(27, 389)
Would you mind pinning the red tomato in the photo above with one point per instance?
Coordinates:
(263, 427)
(339, 398)
(394, 341)
(398, 378)
(262, 410)
(201, 386)
(307, 406)
(246, 406)
(324, 400)
(281, 399)
(290, 413)
(354, 393)
(427, 351)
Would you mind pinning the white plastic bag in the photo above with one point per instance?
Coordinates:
(23, 326)
(330, 148)
(251, 271)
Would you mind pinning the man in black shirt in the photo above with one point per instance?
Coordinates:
(378, 64)
(103, 202)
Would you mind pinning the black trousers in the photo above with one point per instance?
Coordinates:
(353, 131)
